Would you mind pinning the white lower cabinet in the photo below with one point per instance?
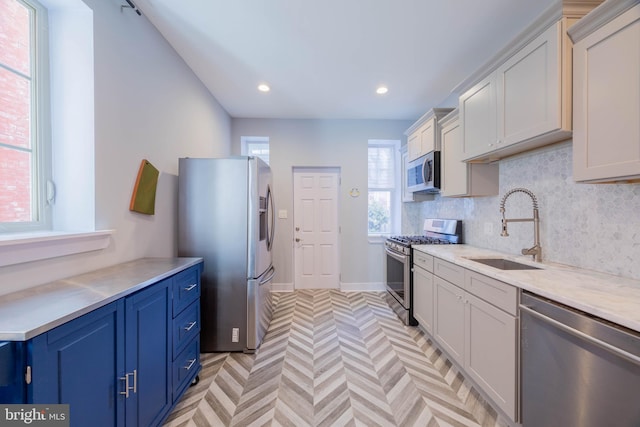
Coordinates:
(491, 351)
(476, 324)
(423, 298)
(449, 324)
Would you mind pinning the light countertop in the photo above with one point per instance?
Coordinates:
(613, 298)
(30, 312)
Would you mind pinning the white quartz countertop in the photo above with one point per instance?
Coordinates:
(30, 312)
(613, 298)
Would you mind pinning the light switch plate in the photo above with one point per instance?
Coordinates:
(282, 214)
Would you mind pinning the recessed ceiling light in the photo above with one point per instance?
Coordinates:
(264, 88)
(382, 90)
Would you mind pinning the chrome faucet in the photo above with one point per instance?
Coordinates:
(536, 249)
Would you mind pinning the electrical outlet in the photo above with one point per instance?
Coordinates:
(235, 335)
(488, 228)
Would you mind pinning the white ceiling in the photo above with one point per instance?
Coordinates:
(324, 58)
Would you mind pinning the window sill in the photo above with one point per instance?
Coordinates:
(377, 239)
(20, 248)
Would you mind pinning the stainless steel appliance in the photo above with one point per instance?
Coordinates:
(577, 370)
(399, 258)
(423, 174)
(226, 216)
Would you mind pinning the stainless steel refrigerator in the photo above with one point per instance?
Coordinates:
(226, 216)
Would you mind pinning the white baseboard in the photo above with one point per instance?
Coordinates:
(346, 287)
(362, 287)
(282, 287)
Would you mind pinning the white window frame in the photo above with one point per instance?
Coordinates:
(248, 141)
(40, 123)
(395, 191)
(72, 227)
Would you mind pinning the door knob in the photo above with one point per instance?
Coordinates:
(297, 228)
(298, 239)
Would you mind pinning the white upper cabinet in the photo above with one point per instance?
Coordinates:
(424, 135)
(606, 138)
(413, 146)
(461, 179)
(522, 99)
(529, 84)
(478, 118)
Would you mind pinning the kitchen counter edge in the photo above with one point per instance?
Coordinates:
(613, 298)
(30, 312)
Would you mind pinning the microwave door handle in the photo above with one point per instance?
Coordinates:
(427, 171)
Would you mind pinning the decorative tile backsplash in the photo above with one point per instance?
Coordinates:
(592, 226)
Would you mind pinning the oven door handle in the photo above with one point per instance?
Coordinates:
(395, 255)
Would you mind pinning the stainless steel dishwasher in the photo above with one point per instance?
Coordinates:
(577, 370)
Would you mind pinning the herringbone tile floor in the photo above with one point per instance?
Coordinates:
(333, 358)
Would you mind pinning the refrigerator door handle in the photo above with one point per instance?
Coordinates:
(271, 231)
(270, 274)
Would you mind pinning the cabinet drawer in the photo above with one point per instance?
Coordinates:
(449, 272)
(186, 366)
(495, 292)
(185, 327)
(423, 260)
(186, 289)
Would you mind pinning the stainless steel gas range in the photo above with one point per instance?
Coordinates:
(399, 256)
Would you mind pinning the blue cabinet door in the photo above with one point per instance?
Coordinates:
(148, 353)
(13, 388)
(79, 363)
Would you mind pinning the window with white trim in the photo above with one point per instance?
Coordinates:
(25, 154)
(61, 59)
(383, 194)
(257, 146)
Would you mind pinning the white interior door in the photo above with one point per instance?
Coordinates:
(316, 232)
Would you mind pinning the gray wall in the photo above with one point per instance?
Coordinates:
(591, 226)
(337, 143)
(148, 104)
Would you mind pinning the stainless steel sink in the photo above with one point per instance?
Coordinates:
(503, 264)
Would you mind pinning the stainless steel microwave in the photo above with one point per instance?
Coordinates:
(423, 174)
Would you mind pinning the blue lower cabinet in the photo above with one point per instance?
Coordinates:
(13, 388)
(79, 363)
(114, 366)
(148, 355)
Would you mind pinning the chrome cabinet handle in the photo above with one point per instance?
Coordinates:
(191, 362)
(126, 386)
(191, 325)
(188, 288)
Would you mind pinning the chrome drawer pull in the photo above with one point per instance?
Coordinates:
(191, 362)
(191, 325)
(188, 288)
